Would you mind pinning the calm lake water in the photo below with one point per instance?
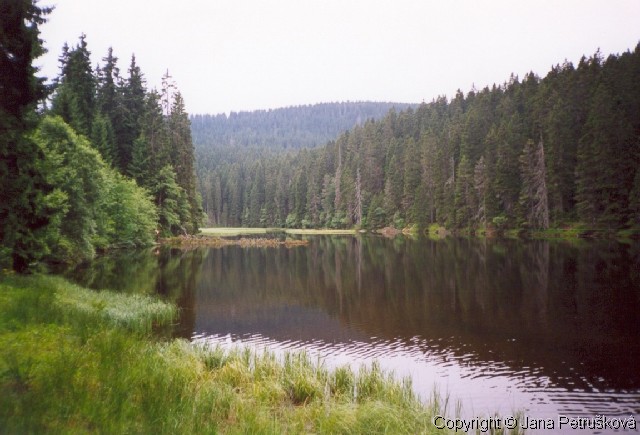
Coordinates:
(546, 328)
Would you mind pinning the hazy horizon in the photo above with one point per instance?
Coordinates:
(243, 56)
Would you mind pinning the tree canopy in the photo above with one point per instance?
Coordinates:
(530, 153)
(66, 172)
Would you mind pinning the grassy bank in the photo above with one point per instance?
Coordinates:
(74, 360)
(230, 232)
(320, 232)
(569, 231)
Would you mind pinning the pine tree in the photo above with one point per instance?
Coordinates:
(505, 169)
(24, 212)
(110, 104)
(133, 95)
(154, 135)
(182, 158)
(107, 91)
(74, 98)
(171, 200)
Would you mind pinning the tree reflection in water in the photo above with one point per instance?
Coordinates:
(564, 316)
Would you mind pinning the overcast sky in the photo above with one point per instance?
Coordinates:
(232, 55)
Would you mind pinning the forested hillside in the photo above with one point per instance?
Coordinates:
(108, 164)
(532, 153)
(233, 144)
(285, 128)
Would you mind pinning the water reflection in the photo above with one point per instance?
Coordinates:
(539, 326)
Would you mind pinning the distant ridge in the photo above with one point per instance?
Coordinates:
(293, 127)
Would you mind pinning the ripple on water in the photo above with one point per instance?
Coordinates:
(487, 387)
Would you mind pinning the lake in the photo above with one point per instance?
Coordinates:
(543, 327)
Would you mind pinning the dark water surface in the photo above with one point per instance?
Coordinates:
(543, 327)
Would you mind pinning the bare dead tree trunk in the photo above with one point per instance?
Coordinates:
(338, 198)
(358, 210)
(541, 203)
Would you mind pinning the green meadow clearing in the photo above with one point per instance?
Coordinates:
(231, 232)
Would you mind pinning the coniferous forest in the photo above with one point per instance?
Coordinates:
(96, 160)
(285, 128)
(530, 154)
(93, 161)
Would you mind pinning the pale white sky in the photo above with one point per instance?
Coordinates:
(232, 55)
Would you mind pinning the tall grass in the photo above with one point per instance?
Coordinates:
(134, 312)
(76, 361)
(48, 299)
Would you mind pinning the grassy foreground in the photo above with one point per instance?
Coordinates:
(75, 360)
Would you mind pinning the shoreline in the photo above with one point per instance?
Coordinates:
(575, 231)
(74, 359)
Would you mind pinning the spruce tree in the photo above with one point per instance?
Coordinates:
(110, 104)
(74, 97)
(182, 157)
(24, 212)
(133, 94)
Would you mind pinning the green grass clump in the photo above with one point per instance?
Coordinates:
(567, 231)
(135, 312)
(436, 232)
(77, 361)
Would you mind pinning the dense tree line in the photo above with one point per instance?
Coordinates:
(228, 146)
(530, 153)
(108, 164)
(143, 134)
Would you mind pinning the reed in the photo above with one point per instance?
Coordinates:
(76, 361)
